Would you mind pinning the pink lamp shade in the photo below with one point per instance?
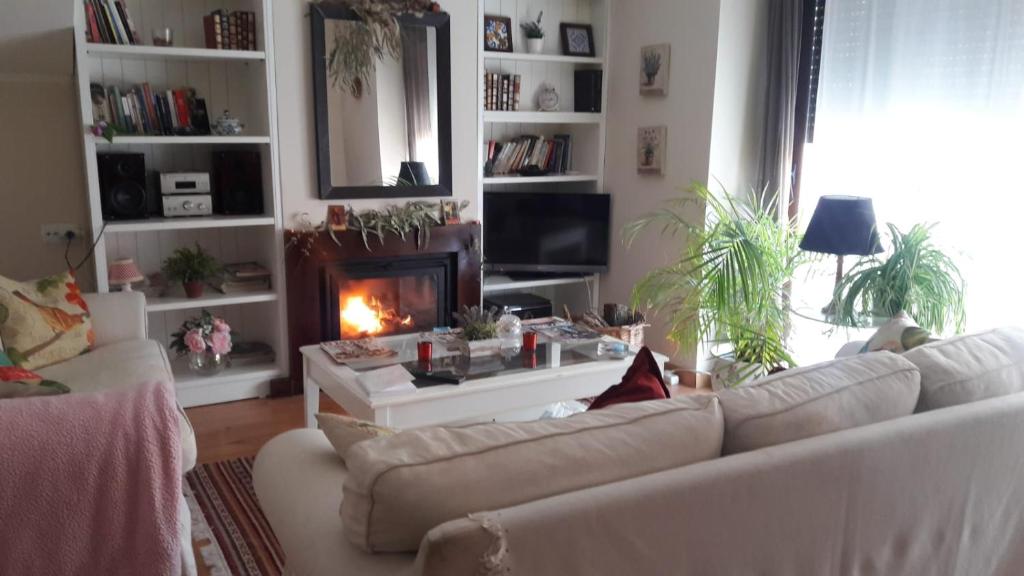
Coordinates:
(124, 272)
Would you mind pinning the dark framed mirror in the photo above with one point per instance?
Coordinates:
(393, 139)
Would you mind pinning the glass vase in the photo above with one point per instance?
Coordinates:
(207, 363)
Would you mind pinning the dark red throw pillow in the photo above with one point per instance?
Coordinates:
(642, 382)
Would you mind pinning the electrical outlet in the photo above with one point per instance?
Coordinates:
(58, 233)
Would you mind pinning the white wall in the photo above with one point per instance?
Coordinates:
(691, 26)
(740, 77)
(41, 175)
(295, 110)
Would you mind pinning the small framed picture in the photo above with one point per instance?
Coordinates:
(337, 219)
(654, 67)
(497, 33)
(577, 39)
(450, 212)
(650, 150)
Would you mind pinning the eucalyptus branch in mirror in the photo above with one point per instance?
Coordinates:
(356, 49)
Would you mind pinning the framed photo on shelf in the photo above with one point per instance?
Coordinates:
(497, 33)
(450, 212)
(655, 62)
(577, 39)
(650, 149)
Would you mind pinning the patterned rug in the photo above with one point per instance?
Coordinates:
(230, 535)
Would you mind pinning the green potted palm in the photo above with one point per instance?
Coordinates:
(193, 268)
(913, 276)
(727, 288)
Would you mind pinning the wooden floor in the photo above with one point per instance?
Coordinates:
(239, 429)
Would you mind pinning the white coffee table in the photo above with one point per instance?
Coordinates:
(500, 389)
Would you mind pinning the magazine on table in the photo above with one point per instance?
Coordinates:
(351, 351)
(557, 329)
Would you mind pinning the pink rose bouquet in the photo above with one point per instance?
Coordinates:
(202, 334)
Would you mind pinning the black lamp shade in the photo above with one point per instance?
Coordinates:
(414, 174)
(844, 226)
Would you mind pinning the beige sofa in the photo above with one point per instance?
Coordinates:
(935, 492)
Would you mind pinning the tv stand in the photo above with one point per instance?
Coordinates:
(578, 291)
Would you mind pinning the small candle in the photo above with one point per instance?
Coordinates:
(529, 341)
(424, 350)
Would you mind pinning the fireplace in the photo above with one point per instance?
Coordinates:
(340, 289)
(382, 297)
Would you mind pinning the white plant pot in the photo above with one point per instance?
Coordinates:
(488, 347)
(534, 45)
(727, 373)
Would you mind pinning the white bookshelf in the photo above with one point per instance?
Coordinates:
(587, 129)
(242, 82)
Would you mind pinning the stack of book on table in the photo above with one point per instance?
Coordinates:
(243, 278)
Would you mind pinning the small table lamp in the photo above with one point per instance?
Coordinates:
(843, 226)
(123, 273)
(414, 174)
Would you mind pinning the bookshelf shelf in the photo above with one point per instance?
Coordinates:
(553, 179)
(211, 299)
(546, 58)
(191, 223)
(137, 52)
(543, 117)
(184, 140)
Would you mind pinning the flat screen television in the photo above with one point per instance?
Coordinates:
(546, 232)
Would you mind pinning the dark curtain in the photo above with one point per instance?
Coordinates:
(415, 68)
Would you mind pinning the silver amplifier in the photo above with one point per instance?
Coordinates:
(188, 205)
(185, 183)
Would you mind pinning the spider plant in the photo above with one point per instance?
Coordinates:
(915, 277)
(728, 286)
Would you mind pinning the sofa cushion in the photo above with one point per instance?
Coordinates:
(344, 431)
(126, 363)
(44, 321)
(400, 487)
(970, 368)
(643, 381)
(20, 383)
(818, 399)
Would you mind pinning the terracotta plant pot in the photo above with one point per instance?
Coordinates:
(193, 289)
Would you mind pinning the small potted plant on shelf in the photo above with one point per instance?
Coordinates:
(206, 340)
(534, 34)
(480, 329)
(192, 268)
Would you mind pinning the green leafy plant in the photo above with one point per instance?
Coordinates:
(914, 276)
(358, 46)
(187, 265)
(532, 28)
(478, 323)
(728, 286)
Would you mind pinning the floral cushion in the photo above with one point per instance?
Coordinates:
(17, 382)
(900, 334)
(44, 322)
(344, 431)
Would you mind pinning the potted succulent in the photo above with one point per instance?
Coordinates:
(726, 290)
(207, 342)
(192, 268)
(534, 34)
(915, 277)
(480, 330)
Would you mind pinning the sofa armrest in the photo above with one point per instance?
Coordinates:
(117, 316)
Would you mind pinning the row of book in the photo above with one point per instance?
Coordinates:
(230, 30)
(108, 22)
(533, 155)
(142, 110)
(243, 278)
(501, 91)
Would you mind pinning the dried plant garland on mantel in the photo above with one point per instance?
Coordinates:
(353, 58)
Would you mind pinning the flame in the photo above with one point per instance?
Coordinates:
(359, 317)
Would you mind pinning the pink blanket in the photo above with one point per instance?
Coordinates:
(90, 483)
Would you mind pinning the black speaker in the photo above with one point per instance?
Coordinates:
(237, 182)
(588, 90)
(122, 186)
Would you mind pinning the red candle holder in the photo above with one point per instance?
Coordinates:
(530, 341)
(424, 351)
(529, 360)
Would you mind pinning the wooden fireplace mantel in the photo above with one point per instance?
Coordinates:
(303, 273)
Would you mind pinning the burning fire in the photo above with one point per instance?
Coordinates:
(359, 317)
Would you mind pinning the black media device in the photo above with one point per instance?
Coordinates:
(122, 186)
(588, 90)
(546, 232)
(521, 304)
(237, 183)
